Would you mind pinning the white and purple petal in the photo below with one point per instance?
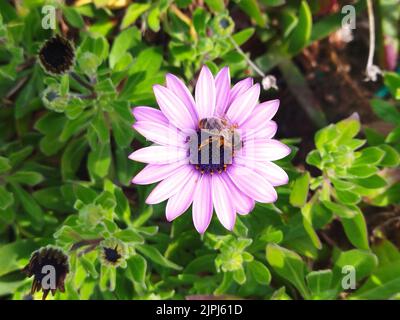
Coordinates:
(156, 172)
(202, 208)
(223, 87)
(265, 131)
(252, 184)
(159, 154)
(160, 133)
(242, 107)
(205, 94)
(171, 185)
(239, 88)
(149, 114)
(173, 108)
(181, 201)
(263, 150)
(243, 203)
(223, 205)
(182, 92)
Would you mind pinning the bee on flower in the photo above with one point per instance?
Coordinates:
(213, 151)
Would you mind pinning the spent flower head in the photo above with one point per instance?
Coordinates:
(38, 267)
(57, 55)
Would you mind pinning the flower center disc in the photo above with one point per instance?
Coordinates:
(112, 255)
(213, 146)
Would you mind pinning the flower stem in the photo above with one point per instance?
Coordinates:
(371, 70)
(371, 20)
(248, 60)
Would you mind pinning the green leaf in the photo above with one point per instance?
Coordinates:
(340, 210)
(372, 182)
(314, 158)
(299, 193)
(289, 266)
(300, 36)
(341, 184)
(153, 19)
(348, 128)
(324, 136)
(153, 254)
(29, 178)
(89, 267)
(52, 198)
(99, 161)
(50, 123)
(100, 126)
(384, 282)
(134, 11)
(15, 252)
(392, 81)
(88, 63)
(200, 18)
(363, 262)
(239, 276)
(273, 3)
(356, 230)
(243, 35)
(386, 111)
(121, 123)
(6, 198)
(72, 156)
(137, 266)
(19, 156)
(226, 283)
(129, 235)
(73, 17)
(319, 283)
(348, 197)
(4, 165)
(393, 136)
(123, 42)
(215, 5)
(307, 211)
(371, 156)
(390, 196)
(362, 171)
(251, 8)
(391, 158)
(260, 272)
(29, 204)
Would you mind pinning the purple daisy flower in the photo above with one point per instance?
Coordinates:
(213, 152)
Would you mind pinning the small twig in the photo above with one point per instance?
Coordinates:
(92, 95)
(268, 81)
(82, 243)
(18, 86)
(328, 239)
(88, 249)
(81, 81)
(27, 64)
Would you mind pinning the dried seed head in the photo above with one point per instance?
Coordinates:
(45, 263)
(57, 55)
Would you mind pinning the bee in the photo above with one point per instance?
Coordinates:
(219, 131)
